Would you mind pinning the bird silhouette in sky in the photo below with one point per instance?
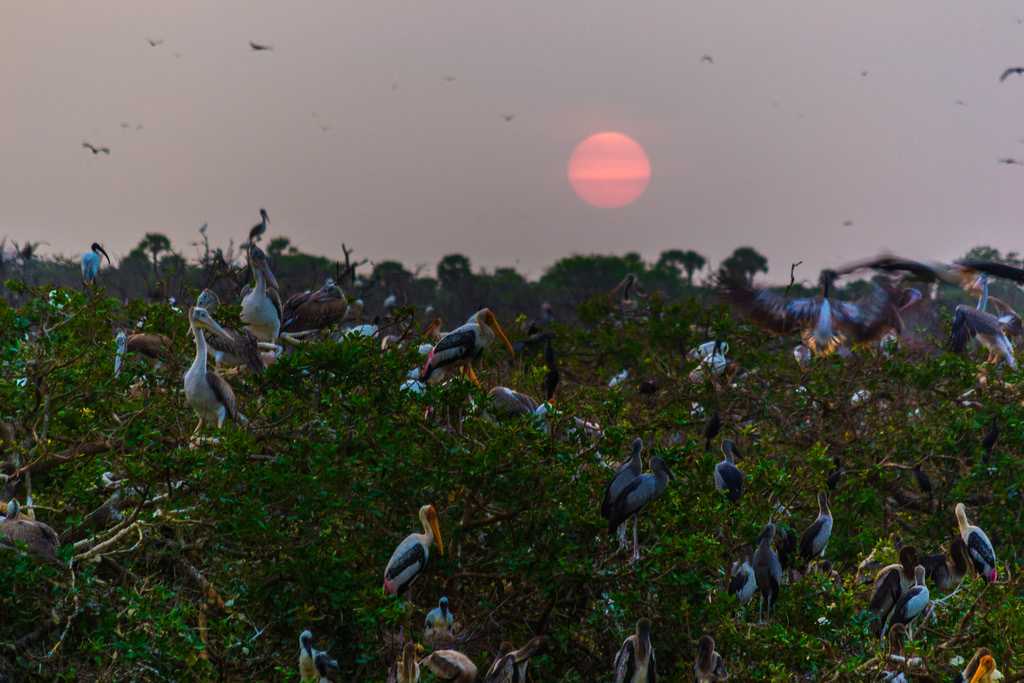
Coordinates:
(508, 117)
(1012, 71)
(94, 149)
(154, 42)
(707, 59)
(259, 47)
(448, 79)
(1010, 161)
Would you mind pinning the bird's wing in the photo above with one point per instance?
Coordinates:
(980, 549)
(502, 671)
(456, 345)
(652, 668)
(731, 477)
(155, 346)
(631, 499)
(994, 269)
(968, 323)
(887, 591)
(1010, 72)
(409, 553)
(624, 474)
(773, 311)
(737, 582)
(868, 319)
(807, 539)
(315, 313)
(224, 393)
(445, 664)
(625, 662)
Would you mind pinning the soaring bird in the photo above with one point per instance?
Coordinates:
(637, 494)
(407, 666)
(261, 306)
(94, 149)
(257, 231)
(312, 660)
(466, 343)
(208, 393)
(709, 666)
(155, 348)
(944, 570)
(707, 59)
(911, 604)
(767, 570)
(437, 627)
(91, 263)
(314, 310)
(259, 47)
(890, 583)
(411, 556)
(40, 540)
(728, 477)
(1012, 71)
(511, 664)
(815, 538)
(449, 665)
(508, 117)
(635, 661)
(979, 548)
(743, 583)
(154, 42)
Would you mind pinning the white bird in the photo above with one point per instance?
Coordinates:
(635, 661)
(261, 306)
(411, 556)
(979, 548)
(466, 343)
(208, 393)
(911, 604)
(313, 664)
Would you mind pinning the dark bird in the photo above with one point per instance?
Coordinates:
(890, 583)
(979, 548)
(1010, 161)
(709, 666)
(627, 471)
(39, 539)
(711, 430)
(815, 538)
(448, 79)
(961, 103)
(707, 59)
(635, 496)
(309, 311)
(947, 571)
(1012, 71)
(924, 482)
(767, 570)
(836, 474)
(258, 47)
(911, 604)
(257, 231)
(988, 442)
(742, 583)
(787, 547)
(728, 477)
(94, 149)
(154, 42)
(635, 661)
(863, 73)
(511, 664)
(508, 117)
(847, 224)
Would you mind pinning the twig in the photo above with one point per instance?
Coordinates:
(792, 276)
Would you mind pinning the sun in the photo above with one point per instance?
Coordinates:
(609, 170)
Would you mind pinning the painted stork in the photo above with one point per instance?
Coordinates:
(156, 348)
(981, 669)
(767, 570)
(911, 605)
(466, 343)
(947, 570)
(979, 548)
(511, 664)
(449, 665)
(311, 660)
(261, 306)
(891, 582)
(412, 554)
(407, 666)
(709, 666)
(257, 231)
(728, 477)
(743, 583)
(824, 324)
(91, 263)
(208, 393)
(311, 311)
(635, 661)
(637, 494)
(439, 622)
(39, 538)
(815, 538)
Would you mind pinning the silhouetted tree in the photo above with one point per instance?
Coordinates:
(677, 260)
(743, 264)
(453, 271)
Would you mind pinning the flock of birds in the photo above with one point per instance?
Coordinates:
(902, 594)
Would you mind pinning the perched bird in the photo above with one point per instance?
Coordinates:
(635, 661)
(728, 477)
(767, 570)
(259, 47)
(709, 666)
(924, 482)
(231, 348)
(314, 310)
(438, 625)
(815, 538)
(464, 344)
(975, 322)
(787, 546)
(449, 665)
(407, 666)
(627, 471)
(981, 669)
(1012, 71)
(911, 604)
(261, 306)
(91, 263)
(835, 475)
(94, 149)
(890, 583)
(411, 556)
(156, 348)
(637, 494)
(979, 548)
(944, 570)
(208, 393)
(511, 665)
(257, 231)
(625, 291)
(743, 583)
(711, 429)
(39, 538)
(209, 300)
(988, 442)
(311, 659)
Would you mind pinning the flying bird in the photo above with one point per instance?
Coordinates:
(508, 117)
(961, 103)
(1010, 161)
(94, 149)
(863, 73)
(259, 47)
(448, 79)
(707, 59)
(847, 224)
(1012, 71)
(155, 42)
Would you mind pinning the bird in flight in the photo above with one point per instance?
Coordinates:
(863, 73)
(961, 103)
(449, 79)
(125, 124)
(94, 149)
(707, 59)
(508, 117)
(1012, 71)
(1010, 161)
(258, 47)
(324, 127)
(154, 42)
(847, 224)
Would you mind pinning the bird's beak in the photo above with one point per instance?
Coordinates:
(436, 528)
(215, 326)
(104, 252)
(496, 326)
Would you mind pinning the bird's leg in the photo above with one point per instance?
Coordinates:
(636, 541)
(622, 537)
(199, 426)
(471, 373)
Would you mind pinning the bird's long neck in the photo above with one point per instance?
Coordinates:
(199, 364)
(428, 532)
(261, 282)
(961, 520)
(823, 510)
(983, 299)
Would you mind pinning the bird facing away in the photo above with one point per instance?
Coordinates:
(511, 665)
(260, 47)
(911, 604)
(312, 660)
(449, 665)
(711, 429)
(815, 538)
(1012, 71)
(947, 571)
(40, 540)
(767, 569)
(411, 555)
(890, 583)
(91, 263)
(728, 477)
(979, 548)
(94, 149)
(709, 666)
(635, 661)
(407, 666)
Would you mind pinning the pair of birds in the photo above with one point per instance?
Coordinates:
(510, 666)
(631, 490)
(636, 662)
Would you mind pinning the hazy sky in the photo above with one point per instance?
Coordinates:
(776, 144)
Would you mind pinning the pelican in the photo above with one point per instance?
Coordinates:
(635, 661)
(626, 472)
(312, 311)
(407, 666)
(709, 667)
(91, 263)
(767, 569)
(815, 538)
(728, 477)
(156, 348)
(635, 496)
(40, 540)
(910, 605)
(743, 583)
(824, 324)
(232, 349)
(412, 554)
(511, 664)
(312, 660)
(261, 306)
(449, 665)
(257, 231)
(208, 299)
(979, 548)
(947, 571)
(891, 582)
(438, 625)
(207, 392)
(466, 343)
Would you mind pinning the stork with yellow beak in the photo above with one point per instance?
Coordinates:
(464, 344)
(412, 554)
